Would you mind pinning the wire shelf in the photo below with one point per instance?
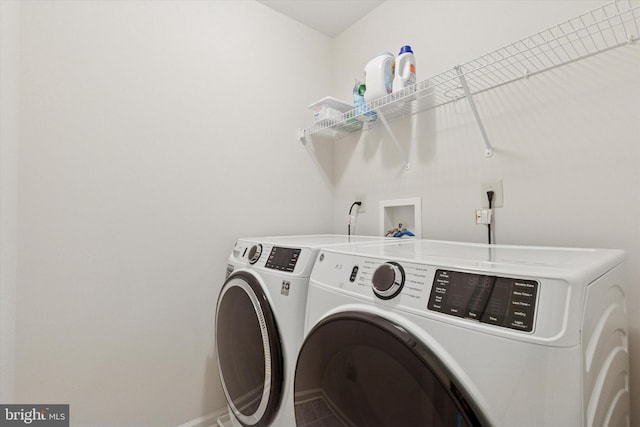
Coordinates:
(607, 27)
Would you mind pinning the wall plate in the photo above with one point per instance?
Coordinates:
(498, 196)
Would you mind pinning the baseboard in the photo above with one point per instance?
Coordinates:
(207, 420)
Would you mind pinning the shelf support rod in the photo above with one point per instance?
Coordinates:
(405, 157)
(488, 151)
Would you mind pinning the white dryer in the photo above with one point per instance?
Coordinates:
(435, 333)
(260, 320)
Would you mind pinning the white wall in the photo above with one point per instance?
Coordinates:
(152, 135)
(566, 142)
(9, 79)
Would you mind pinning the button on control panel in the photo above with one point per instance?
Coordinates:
(499, 301)
(354, 274)
(388, 280)
(254, 253)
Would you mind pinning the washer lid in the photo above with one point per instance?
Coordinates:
(359, 369)
(249, 350)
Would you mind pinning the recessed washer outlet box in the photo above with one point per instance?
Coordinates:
(407, 212)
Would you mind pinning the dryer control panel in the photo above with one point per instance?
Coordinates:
(283, 259)
(499, 301)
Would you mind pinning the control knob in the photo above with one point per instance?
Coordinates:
(388, 280)
(254, 253)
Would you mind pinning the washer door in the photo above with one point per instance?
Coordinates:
(249, 350)
(359, 369)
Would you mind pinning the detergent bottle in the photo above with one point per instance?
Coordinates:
(405, 71)
(379, 76)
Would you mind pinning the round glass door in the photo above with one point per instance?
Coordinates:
(249, 350)
(358, 369)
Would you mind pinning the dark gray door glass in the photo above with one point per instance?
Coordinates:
(358, 369)
(249, 350)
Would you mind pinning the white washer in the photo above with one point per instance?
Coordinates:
(259, 323)
(452, 334)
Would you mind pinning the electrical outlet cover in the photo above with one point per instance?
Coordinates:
(363, 207)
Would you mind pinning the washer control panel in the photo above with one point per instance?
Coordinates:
(499, 301)
(516, 300)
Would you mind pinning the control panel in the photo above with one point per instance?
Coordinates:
(283, 259)
(524, 300)
(499, 301)
(496, 300)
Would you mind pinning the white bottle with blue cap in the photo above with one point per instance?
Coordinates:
(405, 72)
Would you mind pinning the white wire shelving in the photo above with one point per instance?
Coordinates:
(607, 27)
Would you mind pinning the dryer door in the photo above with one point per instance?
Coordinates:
(359, 369)
(249, 351)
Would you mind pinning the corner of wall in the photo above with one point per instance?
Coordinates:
(9, 64)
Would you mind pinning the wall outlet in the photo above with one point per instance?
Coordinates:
(363, 207)
(498, 197)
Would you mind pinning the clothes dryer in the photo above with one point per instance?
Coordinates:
(260, 320)
(452, 334)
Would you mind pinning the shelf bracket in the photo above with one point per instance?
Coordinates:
(488, 150)
(302, 135)
(404, 154)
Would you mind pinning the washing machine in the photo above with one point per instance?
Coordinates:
(259, 323)
(430, 333)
